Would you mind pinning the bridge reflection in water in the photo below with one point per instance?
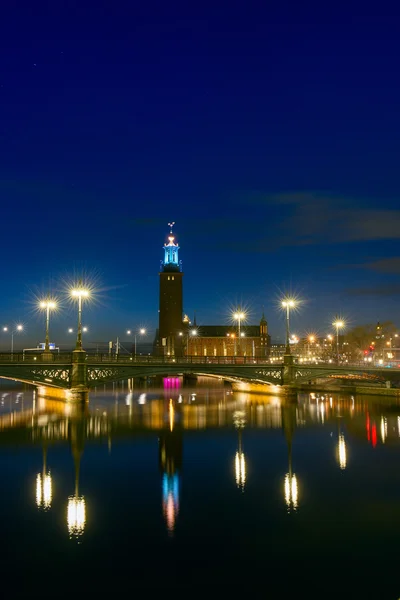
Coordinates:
(174, 414)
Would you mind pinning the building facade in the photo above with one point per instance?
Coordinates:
(224, 340)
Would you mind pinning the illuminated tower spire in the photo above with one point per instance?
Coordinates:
(170, 330)
(171, 260)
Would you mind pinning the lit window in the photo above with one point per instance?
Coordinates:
(169, 277)
(173, 277)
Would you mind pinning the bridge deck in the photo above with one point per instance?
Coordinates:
(78, 370)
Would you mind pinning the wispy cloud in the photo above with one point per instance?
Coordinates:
(392, 289)
(385, 265)
(311, 218)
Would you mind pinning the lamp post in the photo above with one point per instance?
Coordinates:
(338, 324)
(141, 331)
(79, 293)
(288, 303)
(311, 339)
(16, 330)
(48, 305)
(191, 332)
(239, 315)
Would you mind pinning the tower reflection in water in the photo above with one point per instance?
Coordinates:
(170, 461)
(44, 487)
(239, 420)
(291, 490)
(76, 511)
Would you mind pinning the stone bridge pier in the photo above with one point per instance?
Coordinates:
(79, 371)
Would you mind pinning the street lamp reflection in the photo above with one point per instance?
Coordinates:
(76, 516)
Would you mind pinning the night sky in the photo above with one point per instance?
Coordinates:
(269, 134)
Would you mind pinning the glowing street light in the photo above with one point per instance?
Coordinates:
(16, 330)
(338, 324)
(288, 303)
(239, 315)
(141, 331)
(193, 333)
(79, 293)
(48, 305)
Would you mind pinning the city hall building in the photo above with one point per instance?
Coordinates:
(178, 336)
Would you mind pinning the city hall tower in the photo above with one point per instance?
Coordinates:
(170, 320)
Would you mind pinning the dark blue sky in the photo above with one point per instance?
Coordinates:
(269, 134)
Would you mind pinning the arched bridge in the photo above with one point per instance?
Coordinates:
(79, 370)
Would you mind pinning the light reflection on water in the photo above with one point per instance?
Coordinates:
(284, 457)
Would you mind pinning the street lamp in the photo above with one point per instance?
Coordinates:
(191, 332)
(84, 329)
(239, 315)
(338, 324)
(16, 330)
(311, 340)
(288, 303)
(141, 331)
(79, 293)
(48, 305)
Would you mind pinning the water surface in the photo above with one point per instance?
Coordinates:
(189, 489)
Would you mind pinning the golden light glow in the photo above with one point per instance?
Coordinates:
(338, 324)
(51, 304)
(240, 469)
(342, 452)
(80, 293)
(239, 315)
(288, 302)
(44, 490)
(291, 491)
(76, 516)
(171, 415)
(383, 429)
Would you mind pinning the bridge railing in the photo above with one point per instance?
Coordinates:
(66, 357)
(92, 358)
(184, 360)
(37, 357)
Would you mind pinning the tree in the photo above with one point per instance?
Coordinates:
(366, 337)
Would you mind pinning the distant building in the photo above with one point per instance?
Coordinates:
(224, 340)
(176, 336)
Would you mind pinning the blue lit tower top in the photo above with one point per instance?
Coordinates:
(171, 261)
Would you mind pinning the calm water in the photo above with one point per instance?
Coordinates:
(185, 489)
